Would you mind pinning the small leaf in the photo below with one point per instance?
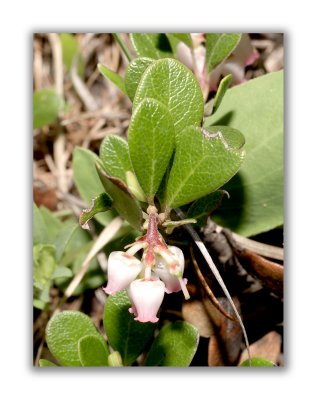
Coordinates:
(183, 37)
(219, 46)
(256, 201)
(93, 351)
(153, 45)
(62, 272)
(204, 161)
(47, 104)
(98, 204)
(174, 85)
(39, 228)
(63, 332)
(87, 180)
(44, 264)
(204, 206)
(113, 77)
(258, 362)
(123, 200)
(125, 335)
(222, 88)
(134, 73)
(115, 157)
(175, 346)
(151, 140)
(70, 49)
(46, 363)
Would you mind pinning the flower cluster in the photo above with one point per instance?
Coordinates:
(159, 271)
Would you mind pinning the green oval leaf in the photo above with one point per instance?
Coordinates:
(70, 49)
(44, 264)
(46, 363)
(183, 37)
(134, 73)
(175, 346)
(125, 335)
(219, 46)
(151, 140)
(256, 193)
(123, 200)
(174, 85)
(47, 104)
(204, 206)
(87, 180)
(258, 362)
(113, 77)
(63, 332)
(115, 156)
(93, 351)
(204, 161)
(153, 45)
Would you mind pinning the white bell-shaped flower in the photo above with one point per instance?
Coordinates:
(162, 268)
(122, 270)
(146, 297)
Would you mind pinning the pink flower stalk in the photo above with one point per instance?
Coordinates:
(146, 297)
(122, 270)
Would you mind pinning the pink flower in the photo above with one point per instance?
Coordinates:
(122, 270)
(165, 272)
(146, 297)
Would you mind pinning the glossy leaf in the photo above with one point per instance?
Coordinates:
(98, 204)
(87, 180)
(222, 88)
(219, 46)
(258, 362)
(134, 73)
(70, 49)
(93, 351)
(256, 192)
(204, 206)
(63, 332)
(125, 335)
(47, 104)
(123, 201)
(174, 85)
(175, 346)
(203, 162)
(46, 363)
(113, 77)
(183, 37)
(151, 139)
(153, 45)
(115, 157)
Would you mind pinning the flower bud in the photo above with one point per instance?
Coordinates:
(122, 270)
(146, 298)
